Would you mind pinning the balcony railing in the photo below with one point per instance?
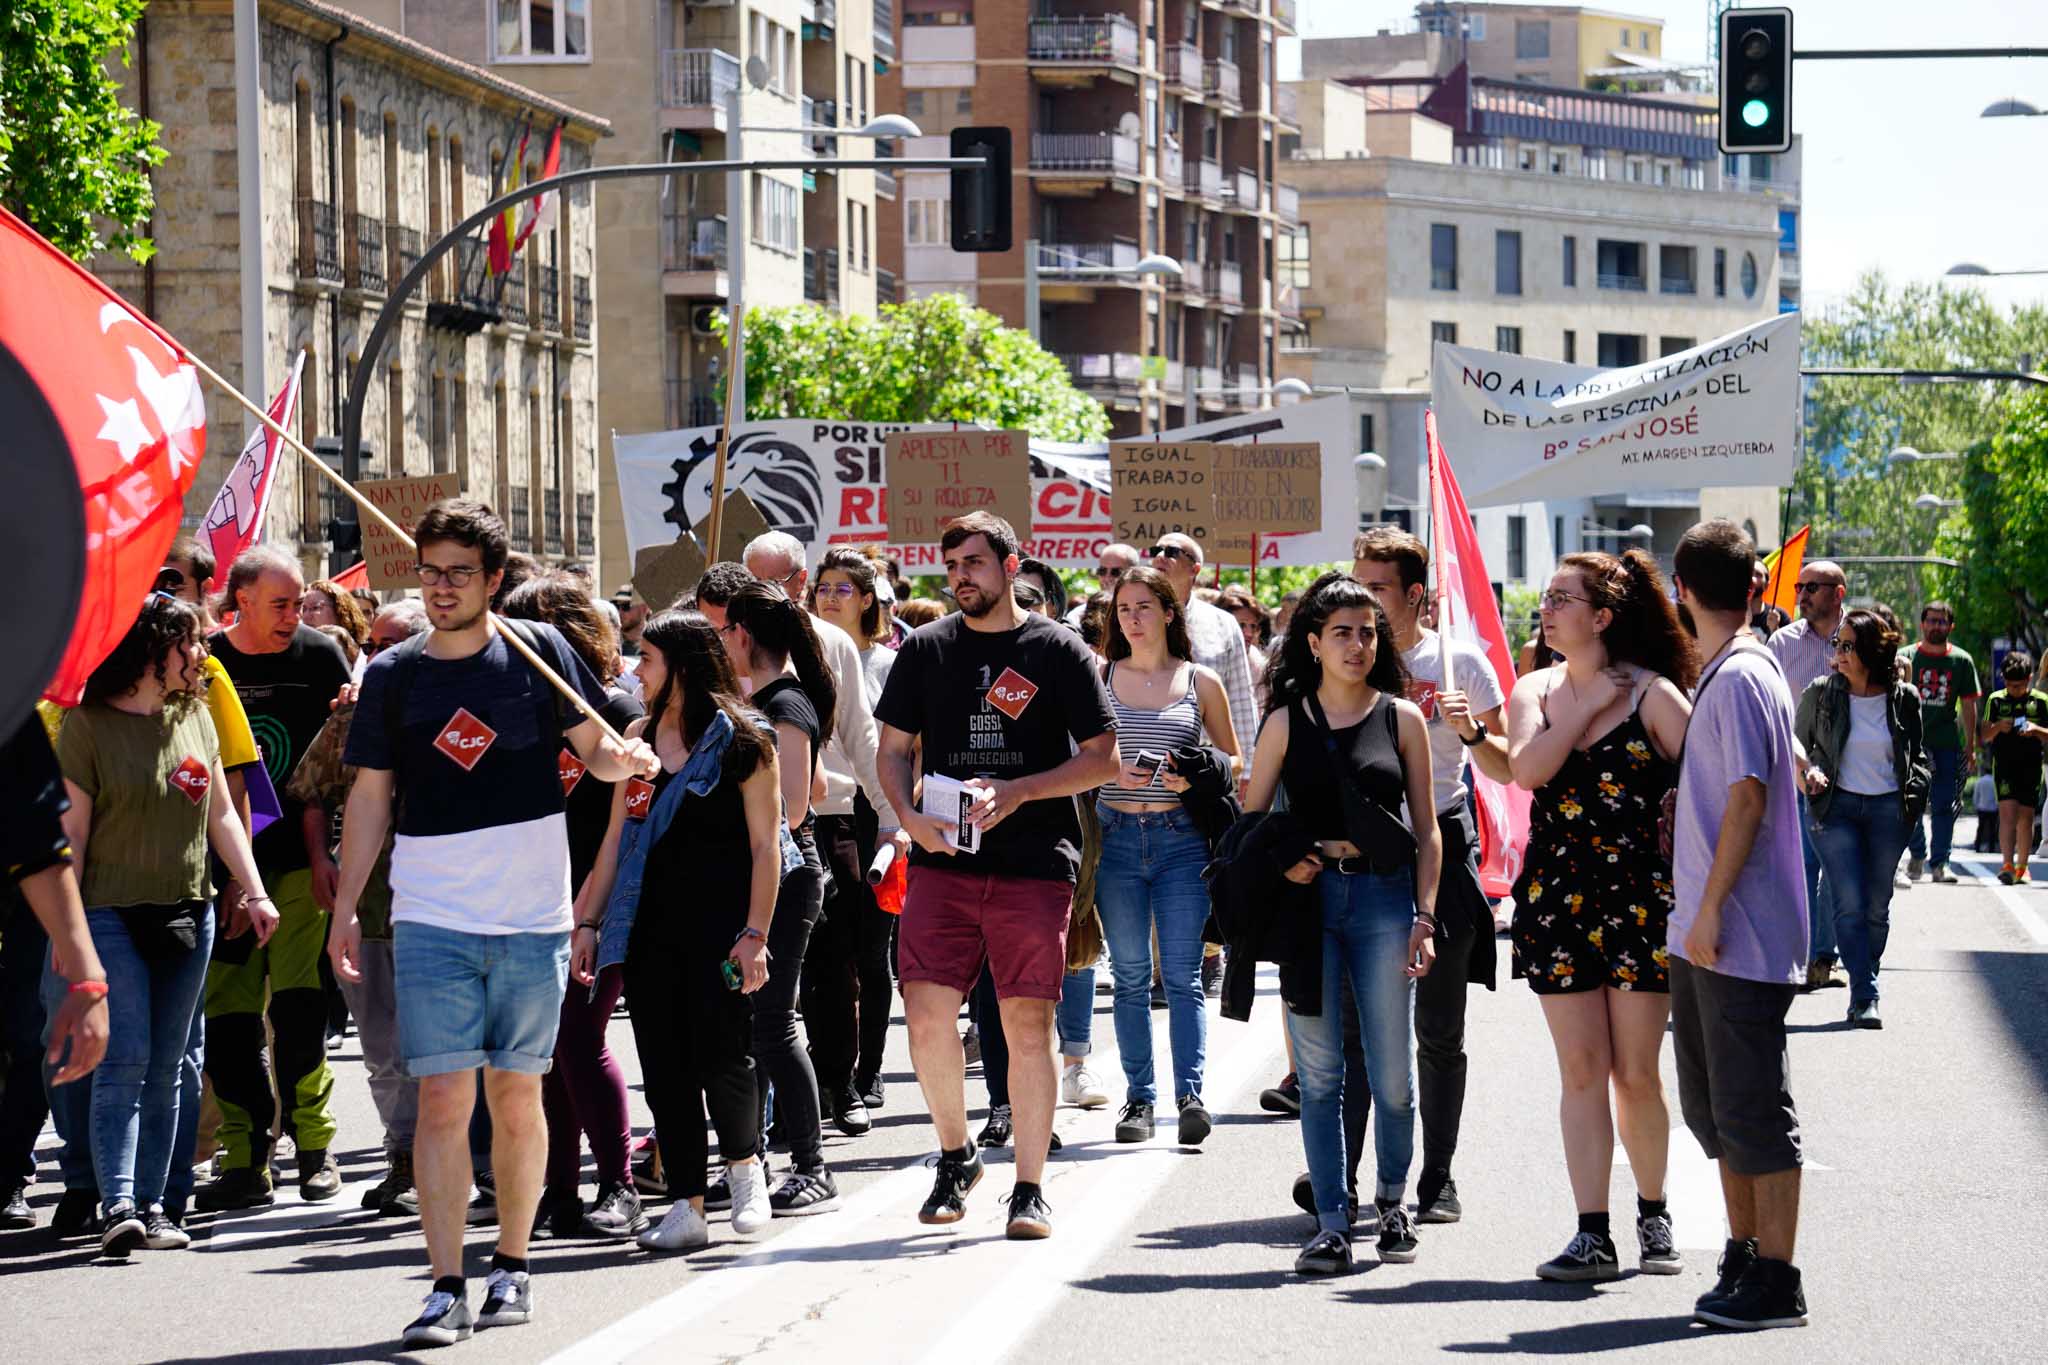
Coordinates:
(688, 407)
(1183, 66)
(366, 254)
(1287, 203)
(1170, 165)
(1111, 39)
(1241, 188)
(828, 261)
(814, 278)
(1063, 258)
(693, 243)
(1284, 12)
(1287, 105)
(586, 522)
(1226, 282)
(1209, 385)
(518, 506)
(1204, 178)
(402, 250)
(512, 303)
(826, 114)
(885, 287)
(885, 184)
(1084, 152)
(319, 241)
(1220, 81)
(1632, 283)
(885, 30)
(1117, 370)
(580, 310)
(1676, 284)
(550, 287)
(1247, 386)
(698, 77)
(551, 519)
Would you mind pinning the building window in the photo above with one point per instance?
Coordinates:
(913, 103)
(1571, 348)
(1571, 262)
(1720, 272)
(1620, 264)
(1446, 332)
(1675, 266)
(1365, 432)
(1525, 158)
(1749, 276)
(1633, 170)
(1673, 345)
(775, 215)
(1290, 258)
(1557, 537)
(1560, 163)
(1532, 40)
(929, 222)
(542, 30)
(1508, 339)
(1618, 350)
(1624, 37)
(1594, 161)
(1518, 547)
(1507, 262)
(1443, 256)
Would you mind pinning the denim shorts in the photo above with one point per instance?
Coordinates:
(471, 1000)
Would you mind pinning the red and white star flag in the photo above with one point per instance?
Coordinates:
(235, 521)
(129, 410)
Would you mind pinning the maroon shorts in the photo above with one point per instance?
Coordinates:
(954, 921)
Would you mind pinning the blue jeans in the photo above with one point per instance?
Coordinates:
(1366, 922)
(1941, 808)
(136, 1089)
(1820, 891)
(1860, 842)
(178, 1183)
(1075, 1017)
(1151, 876)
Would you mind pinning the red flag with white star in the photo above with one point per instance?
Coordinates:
(129, 410)
(235, 520)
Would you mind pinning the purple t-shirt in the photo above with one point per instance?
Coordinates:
(1742, 728)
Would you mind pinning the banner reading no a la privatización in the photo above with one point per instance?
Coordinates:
(1519, 429)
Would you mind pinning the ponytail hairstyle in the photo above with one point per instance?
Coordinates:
(1294, 672)
(782, 633)
(701, 680)
(1645, 629)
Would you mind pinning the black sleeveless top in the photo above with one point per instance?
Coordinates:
(1369, 751)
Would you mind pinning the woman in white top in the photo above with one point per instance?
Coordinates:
(844, 593)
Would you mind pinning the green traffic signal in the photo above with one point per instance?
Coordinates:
(1756, 113)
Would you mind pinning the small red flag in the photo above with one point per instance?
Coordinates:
(235, 520)
(505, 226)
(357, 575)
(132, 416)
(540, 210)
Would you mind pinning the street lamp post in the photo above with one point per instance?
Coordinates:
(1369, 469)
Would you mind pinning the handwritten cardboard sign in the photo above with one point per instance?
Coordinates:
(1269, 488)
(392, 563)
(936, 477)
(663, 573)
(1157, 487)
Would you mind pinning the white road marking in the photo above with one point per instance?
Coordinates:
(288, 1214)
(2008, 896)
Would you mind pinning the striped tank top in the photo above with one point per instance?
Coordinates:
(1173, 726)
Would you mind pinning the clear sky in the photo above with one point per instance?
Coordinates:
(1901, 173)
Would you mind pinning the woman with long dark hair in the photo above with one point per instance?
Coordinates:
(682, 894)
(768, 635)
(584, 1093)
(1595, 740)
(149, 799)
(1351, 756)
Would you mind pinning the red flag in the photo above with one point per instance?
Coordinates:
(133, 418)
(540, 210)
(235, 520)
(504, 227)
(357, 575)
(1466, 612)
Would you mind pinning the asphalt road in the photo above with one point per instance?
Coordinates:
(1924, 1223)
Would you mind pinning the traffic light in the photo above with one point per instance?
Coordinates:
(981, 194)
(1756, 80)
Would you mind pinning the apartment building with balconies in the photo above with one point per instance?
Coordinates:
(1141, 126)
(663, 72)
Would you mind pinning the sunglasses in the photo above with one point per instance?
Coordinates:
(1108, 573)
(1168, 552)
(1801, 589)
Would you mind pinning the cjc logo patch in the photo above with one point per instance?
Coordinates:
(571, 769)
(1422, 692)
(465, 739)
(1011, 693)
(639, 798)
(192, 778)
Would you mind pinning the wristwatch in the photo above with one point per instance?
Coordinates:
(1479, 738)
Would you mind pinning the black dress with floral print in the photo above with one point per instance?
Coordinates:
(1594, 897)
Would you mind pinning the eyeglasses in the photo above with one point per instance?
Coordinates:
(1553, 599)
(845, 592)
(456, 576)
(1107, 573)
(783, 582)
(1169, 552)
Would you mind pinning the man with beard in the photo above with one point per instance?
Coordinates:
(1947, 679)
(1806, 651)
(470, 733)
(1013, 702)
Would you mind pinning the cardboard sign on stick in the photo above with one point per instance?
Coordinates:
(391, 562)
(1265, 488)
(663, 573)
(936, 477)
(741, 523)
(1159, 487)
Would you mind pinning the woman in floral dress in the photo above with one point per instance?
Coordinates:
(1596, 740)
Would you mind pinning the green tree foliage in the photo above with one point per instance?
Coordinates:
(71, 158)
(933, 359)
(2000, 537)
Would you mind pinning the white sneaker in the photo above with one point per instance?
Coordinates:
(751, 1210)
(1079, 1088)
(684, 1229)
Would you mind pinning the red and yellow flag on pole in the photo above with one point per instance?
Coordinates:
(505, 227)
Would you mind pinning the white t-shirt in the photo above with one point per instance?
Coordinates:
(1476, 680)
(1867, 758)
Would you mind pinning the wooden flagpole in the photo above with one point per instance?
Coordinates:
(333, 476)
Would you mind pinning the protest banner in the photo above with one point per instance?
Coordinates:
(1522, 429)
(1160, 487)
(936, 477)
(394, 564)
(1265, 489)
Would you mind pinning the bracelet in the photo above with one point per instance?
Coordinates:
(750, 932)
(96, 989)
(253, 899)
(1422, 917)
(597, 928)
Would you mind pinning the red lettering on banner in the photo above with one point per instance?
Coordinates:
(1011, 693)
(639, 798)
(571, 769)
(192, 778)
(465, 739)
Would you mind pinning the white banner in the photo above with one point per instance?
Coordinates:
(1518, 429)
(823, 483)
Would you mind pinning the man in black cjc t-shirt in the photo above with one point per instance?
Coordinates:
(1010, 700)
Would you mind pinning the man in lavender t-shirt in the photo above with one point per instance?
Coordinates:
(1738, 933)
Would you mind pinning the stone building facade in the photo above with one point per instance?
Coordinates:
(371, 146)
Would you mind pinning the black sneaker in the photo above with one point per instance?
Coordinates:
(1436, 1198)
(1768, 1295)
(14, 1209)
(483, 1200)
(319, 1176)
(718, 1190)
(996, 1132)
(617, 1213)
(240, 1187)
(1735, 1259)
(956, 1178)
(1212, 976)
(1284, 1098)
(1660, 1247)
(1305, 1200)
(559, 1214)
(77, 1215)
(123, 1230)
(870, 1089)
(1195, 1123)
(1136, 1123)
(1588, 1256)
(1863, 1014)
(803, 1193)
(648, 1175)
(1328, 1253)
(1030, 1217)
(444, 1321)
(508, 1299)
(850, 1115)
(159, 1233)
(1397, 1233)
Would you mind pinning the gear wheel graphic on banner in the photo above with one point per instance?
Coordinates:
(777, 475)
